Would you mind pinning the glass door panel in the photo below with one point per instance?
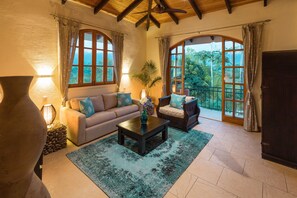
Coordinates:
(176, 66)
(233, 82)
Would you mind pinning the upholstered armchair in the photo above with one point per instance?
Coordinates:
(185, 118)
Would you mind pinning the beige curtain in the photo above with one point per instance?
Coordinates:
(68, 35)
(118, 46)
(164, 44)
(252, 41)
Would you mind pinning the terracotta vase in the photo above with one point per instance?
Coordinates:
(22, 138)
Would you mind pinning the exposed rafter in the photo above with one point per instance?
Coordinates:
(64, 1)
(149, 12)
(99, 6)
(196, 8)
(173, 16)
(133, 5)
(265, 3)
(155, 21)
(140, 21)
(228, 5)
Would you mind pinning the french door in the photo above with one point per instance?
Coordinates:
(233, 83)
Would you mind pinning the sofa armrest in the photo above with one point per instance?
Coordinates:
(76, 125)
(191, 108)
(137, 102)
(164, 101)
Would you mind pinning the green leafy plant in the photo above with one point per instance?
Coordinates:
(147, 76)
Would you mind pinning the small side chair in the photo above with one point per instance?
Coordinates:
(185, 118)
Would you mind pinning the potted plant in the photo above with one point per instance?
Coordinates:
(147, 76)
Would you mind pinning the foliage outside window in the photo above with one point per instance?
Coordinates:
(93, 62)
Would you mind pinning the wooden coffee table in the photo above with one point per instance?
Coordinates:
(141, 133)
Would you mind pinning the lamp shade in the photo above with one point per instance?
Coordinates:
(49, 113)
(143, 93)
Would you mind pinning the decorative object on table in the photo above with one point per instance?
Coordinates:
(120, 172)
(185, 118)
(143, 116)
(56, 138)
(147, 107)
(23, 136)
(147, 77)
(49, 114)
(134, 128)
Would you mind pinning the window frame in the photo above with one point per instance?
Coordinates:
(80, 46)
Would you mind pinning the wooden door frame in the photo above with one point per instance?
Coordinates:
(168, 80)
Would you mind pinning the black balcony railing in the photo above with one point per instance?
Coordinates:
(211, 97)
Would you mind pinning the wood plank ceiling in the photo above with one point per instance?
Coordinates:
(127, 9)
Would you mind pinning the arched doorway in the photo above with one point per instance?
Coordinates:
(210, 68)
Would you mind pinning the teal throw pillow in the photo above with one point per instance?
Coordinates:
(124, 99)
(86, 107)
(177, 101)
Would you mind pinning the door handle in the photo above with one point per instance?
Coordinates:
(265, 144)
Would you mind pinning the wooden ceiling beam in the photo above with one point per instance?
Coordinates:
(265, 3)
(228, 5)
(64, 1)
(99, 6)
(149, 12)
(140, 21)
(196, 8)
(133, 5)
(173, 16)
(155, 21)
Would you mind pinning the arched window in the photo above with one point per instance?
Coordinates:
(93, 62)
(210, 68)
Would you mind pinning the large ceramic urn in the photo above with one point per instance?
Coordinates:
(22, 138)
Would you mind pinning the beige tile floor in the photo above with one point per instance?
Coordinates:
(230, 165)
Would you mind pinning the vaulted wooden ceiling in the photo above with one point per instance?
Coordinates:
(127, 9)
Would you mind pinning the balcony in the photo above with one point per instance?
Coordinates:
(210, 101)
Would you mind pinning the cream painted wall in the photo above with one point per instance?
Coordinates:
(29, 39)
(279, 34)
(29, 43)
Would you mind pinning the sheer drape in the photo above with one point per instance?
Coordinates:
(118, 46)
(252, 40)
(164, 44)
(68, 35)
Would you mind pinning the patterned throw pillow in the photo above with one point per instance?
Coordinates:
(86, 107)
(124, 99)
(177, 101)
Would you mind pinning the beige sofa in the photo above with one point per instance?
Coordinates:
(107, 115)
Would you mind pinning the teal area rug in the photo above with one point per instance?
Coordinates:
(120, 172)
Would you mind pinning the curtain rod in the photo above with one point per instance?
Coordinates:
(88, 24)
(219, 28)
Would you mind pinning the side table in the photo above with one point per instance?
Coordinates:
(56, 138)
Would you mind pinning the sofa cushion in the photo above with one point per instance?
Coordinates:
(96, 100)
(86, 107)
(124, 99)
(189, 98)
(177, 101)
(121, 111)
(171, 111)
(110, 100)
(99, 118)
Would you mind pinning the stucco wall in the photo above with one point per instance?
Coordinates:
(29, 43)
(279, 34)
